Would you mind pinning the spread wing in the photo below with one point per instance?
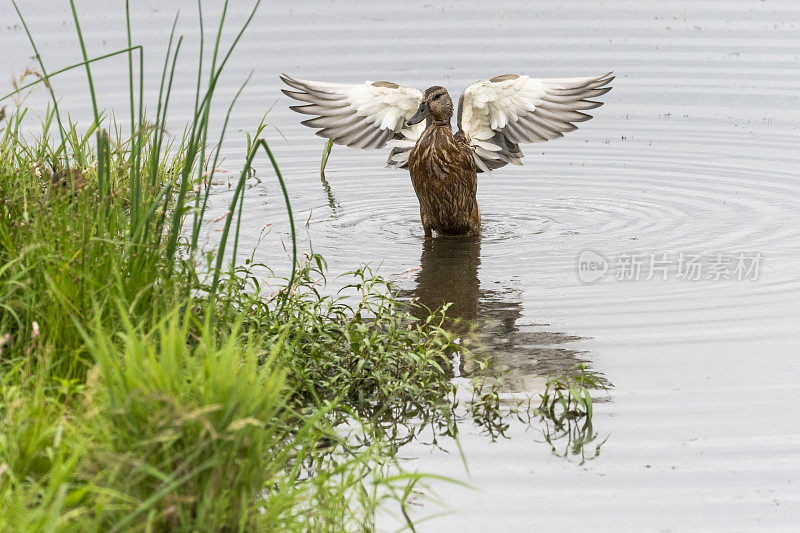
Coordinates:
(498, 114)
(366, 115)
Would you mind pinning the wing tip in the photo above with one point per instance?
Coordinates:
(606, 78)
(292, 82)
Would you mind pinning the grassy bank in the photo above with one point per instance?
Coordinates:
(149, 384)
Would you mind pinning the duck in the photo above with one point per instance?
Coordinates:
(493, 117)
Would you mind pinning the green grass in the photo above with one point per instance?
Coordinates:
(147, 384)
(141, 391)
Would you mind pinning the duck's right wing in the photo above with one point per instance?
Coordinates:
(364, 115)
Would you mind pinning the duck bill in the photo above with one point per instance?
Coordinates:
(419, 116)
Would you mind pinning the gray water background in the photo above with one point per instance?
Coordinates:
(694, 152)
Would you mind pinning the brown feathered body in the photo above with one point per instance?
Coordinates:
(445, 179)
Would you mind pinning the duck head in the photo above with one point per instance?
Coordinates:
(436, 105)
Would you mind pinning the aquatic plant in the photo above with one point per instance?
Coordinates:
(566, 408)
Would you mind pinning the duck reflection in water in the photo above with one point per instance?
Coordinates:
(487, 320)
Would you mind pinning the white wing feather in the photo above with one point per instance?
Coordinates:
(365, 115)
(496, 115)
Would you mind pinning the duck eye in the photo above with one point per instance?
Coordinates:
(437, 96)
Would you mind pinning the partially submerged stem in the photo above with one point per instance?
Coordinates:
(326, 152)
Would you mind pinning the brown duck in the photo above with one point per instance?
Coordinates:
(494, 117)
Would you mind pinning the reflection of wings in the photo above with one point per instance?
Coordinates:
(496, 115)
(365, 115)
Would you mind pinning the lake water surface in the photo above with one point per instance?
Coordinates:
(693, 160)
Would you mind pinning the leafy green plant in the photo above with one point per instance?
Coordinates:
(566, 408)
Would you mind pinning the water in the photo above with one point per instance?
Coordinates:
(695, 152)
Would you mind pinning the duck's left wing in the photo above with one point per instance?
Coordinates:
(363, 115)
(498, 114)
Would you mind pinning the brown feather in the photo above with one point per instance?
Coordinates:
(444, 175)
